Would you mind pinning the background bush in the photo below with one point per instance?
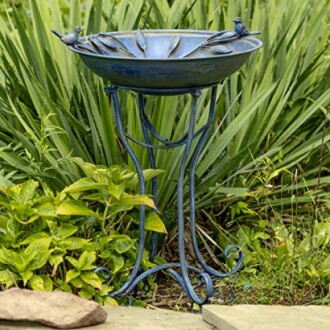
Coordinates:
(62, 241)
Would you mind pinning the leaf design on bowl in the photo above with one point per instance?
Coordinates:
(84, 48)
(174, 45)
(115, 45)
(99, 47)
(218, 49)
(222, 36)
(141, 41)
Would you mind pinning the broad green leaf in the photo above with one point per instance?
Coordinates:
(12, 258)
(41, 283)
(261, 235)
(86, 260)
(27, 191)
(117, 262)
(36, 237)
(64, 286)
(39, 245)
(26, 276)
(147, 174)
(55, 260)
(8, 278)
(14, 229)
(29, 220)
(105, 254)
(73, 243)
(104, 240)
(121, 174)
(305, 245)
(3, 203)
(74, 207)
(153, 222)
(73, 262)
(84, 184)
(66, 230)
(108, 301)
(87, 293)
(97, 197)
(46, 210)
(114, 209)
(39, 259)
(88, 168)
(92, 279)
(3, 224)
(105, 290)
(114, 237)
(78, 282)
(313, 272)
(325, 267)
(137, 200)
(122, 245)
(116, 190)
(71, 274)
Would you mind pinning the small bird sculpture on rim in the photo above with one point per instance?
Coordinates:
(70, 38)
(241, 29)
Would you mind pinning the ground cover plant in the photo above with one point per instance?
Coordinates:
(62, 241)
(264, 178)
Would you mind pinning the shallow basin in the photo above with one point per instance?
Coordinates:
(156, 66)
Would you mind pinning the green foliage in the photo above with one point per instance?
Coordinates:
(283, 231)
(286, 264)
(52, 107)
(55, 241)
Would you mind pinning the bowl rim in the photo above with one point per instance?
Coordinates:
(256, 42)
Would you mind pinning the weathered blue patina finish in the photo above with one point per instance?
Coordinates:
(154, 69)
(168, 62)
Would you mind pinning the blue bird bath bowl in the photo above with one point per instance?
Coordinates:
(164, 59)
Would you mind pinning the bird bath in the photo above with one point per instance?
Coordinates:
(157, 67)
(168, 62)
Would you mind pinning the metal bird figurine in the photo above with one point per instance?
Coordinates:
(70, 38)
(241, 29)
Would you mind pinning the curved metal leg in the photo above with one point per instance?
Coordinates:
(195, 157)
(154, 182)
(208, 281)
(112, 92)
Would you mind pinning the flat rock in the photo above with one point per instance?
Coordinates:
(55, 309)
(261, 317)
(131, 318)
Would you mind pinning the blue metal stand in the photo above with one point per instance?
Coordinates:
(180, 271)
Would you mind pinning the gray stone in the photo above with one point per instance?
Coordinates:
(260, 317)
(132, 318)
(56, 309)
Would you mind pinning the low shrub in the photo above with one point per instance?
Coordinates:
(57, 241)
